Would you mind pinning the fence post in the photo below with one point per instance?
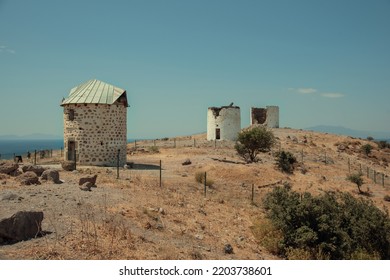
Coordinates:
(325, 158)
(361, 171)
(302, 156)
(135, 143)
(375, 176)
(61, 151)
(117, 164)
(160, 174)
(194, 143)
(205, 180)
(368, 172)
(383, 179)
(35, 157)
(215, 143)
(154, 142)
(174, 142)
(253, 193)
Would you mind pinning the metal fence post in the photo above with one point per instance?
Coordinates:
(160, 174)
(35, 157)
(205, 180)
(117, 164)
(253, 192)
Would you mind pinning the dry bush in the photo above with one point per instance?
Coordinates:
(199, 177)
(267, 235)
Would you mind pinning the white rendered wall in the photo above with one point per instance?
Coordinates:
(272, 117)
(227, 119)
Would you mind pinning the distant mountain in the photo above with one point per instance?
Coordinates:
(33, 136)
(378, 135)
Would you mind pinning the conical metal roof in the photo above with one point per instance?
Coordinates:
(94, 92)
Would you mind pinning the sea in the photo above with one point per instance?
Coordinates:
(9, 148)
(22, 146)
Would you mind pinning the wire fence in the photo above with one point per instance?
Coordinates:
(34, 156)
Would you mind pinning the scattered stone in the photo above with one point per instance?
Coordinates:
(28, 178)
(37, 169)
(8, 167)
(341, 147)
(51, 175)
(91, 179)
(22, 225)
(186, 162)
(228, 249)
(68, 165)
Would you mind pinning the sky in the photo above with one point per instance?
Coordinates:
(322, 62)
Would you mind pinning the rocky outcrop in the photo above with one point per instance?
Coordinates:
(28, 178)
(8, 167)
(51, 175)
(22, 225)
(34, 168)
(68, 165)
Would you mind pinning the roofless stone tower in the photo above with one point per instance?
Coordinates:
(223, 123)
(95, 127)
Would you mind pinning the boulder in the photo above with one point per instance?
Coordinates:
(28, 178)
(51, 175)
(68, 165)
(8, 167)
(22, 225)
(91, 179)
(37, 169)
(228, 249)
(87, 186)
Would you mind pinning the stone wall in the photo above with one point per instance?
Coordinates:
(98, 131)
(226, 119)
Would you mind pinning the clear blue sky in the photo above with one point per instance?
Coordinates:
(322, 62)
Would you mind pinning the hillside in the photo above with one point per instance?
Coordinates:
(134, 218)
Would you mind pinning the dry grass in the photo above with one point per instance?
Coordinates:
(133, 218)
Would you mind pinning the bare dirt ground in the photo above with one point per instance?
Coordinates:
(134, 218)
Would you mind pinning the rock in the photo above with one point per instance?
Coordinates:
(8, 167)
(22, 225)
(68, 165)
(186, 162)
(228, 249)
(10, 196)
(341, 147)
(90, 179)
(51, 175)
(28, 178)
(34, 168)
(87, 186)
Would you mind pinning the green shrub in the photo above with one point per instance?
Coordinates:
(329, 226)
(199, 177)
(366, 149)
(154, 149)
(285, 161)
(252, 141)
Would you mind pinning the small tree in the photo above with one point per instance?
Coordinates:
(357, 179)
(366, 149)
(253, 141)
